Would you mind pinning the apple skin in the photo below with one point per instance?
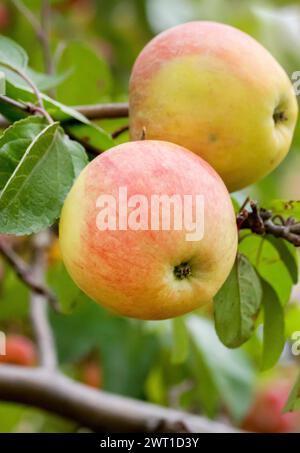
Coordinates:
(214, 90)
(266, 414)
(132, 272)
(19, 351)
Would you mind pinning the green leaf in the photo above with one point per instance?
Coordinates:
(42, 81)
(292, 319)
(45, 82)
(14, 296)
(288, 255)
(2, 83)
(287, 208)
(237, 304)
(268, 264)
(180, 341)
(67, 293)
(14, 142)
(12, 53)
(127, 351)
(33, 196)
(293, 402)
(92, 135)
(90, 78)
(78, 155)
(227, 371)
(273, 335)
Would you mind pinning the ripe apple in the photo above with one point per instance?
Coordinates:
(20, 350)
(216, 91)
(140, 270)
(266, 414)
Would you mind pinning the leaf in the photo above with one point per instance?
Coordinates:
(14, 296)
(273, 335)
(33, 196)
(78, 155)
(228, 371)
(292, 319)
(45, 82)
(127, 351)
(268, 264)
(67, 293)
(92, 135)
(14, 142)
(288, 208)
(88, 70)
(237, 304)
(288, 255)
(42, 81)
(12, 53)
(293, 402)
(180, 341)
(80, 129)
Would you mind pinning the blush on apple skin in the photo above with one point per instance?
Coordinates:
(216, 91)
(133, 273)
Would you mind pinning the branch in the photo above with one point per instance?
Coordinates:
(39, 306)
(261, 221)
(98, 410)
(24, 273)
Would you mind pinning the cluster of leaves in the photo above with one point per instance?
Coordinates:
(38, 161)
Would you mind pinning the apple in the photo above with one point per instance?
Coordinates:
(134, 262)
(91, 374)
(20, 350)
(216, 91)
(266, 414)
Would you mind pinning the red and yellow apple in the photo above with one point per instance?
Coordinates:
(148, 272)
(216, 91)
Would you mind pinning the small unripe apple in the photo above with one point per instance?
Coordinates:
(136, 267)
(216, 91)
(19, 350)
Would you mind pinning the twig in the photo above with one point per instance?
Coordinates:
(261, 221)
(104, 111)
(98, 410)
(24, 273)
(119, 131)
(39, 306)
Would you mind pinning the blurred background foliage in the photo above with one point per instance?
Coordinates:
(94, 44)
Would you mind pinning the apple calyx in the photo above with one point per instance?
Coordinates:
(182, 271)
(279, 115)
